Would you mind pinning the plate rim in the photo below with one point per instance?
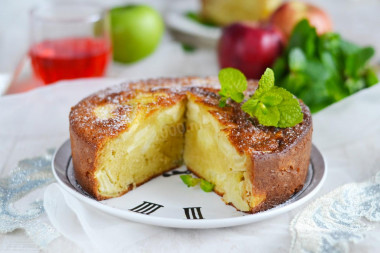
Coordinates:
(189, 31)
(194, 223)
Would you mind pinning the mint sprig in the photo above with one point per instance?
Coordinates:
(193, 181)
(271, 105)
(233, 84)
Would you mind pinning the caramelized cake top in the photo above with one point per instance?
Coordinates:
(244, 131)
(100, 115)
(111, 111)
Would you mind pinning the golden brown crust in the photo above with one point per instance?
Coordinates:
(280, 157)
(84, 155)
(281, 174)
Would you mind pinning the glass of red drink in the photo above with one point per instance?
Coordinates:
(68, 41)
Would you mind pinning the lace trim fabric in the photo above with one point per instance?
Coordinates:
(29, 175)
(341, 216)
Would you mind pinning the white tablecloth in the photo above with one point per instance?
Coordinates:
(347, 133)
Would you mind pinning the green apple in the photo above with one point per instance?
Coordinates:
(136, 32)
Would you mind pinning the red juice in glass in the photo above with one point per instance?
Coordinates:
(70, 58)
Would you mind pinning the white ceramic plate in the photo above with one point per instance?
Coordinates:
(166, 201)
(188, 31)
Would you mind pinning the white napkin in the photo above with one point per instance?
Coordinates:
(347, 133)
(89, 227)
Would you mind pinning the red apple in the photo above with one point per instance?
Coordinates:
(290, 13)
(249, 47)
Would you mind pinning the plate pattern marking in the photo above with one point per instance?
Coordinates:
(175, 172)
(193, 213)
(146, 208)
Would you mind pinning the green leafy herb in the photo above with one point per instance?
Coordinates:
(324, 69)
(189, 180)
(233, 84)
(206, 186)
(273, 106)
(193, 181)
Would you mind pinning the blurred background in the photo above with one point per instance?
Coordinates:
(196, 54)
(356, 20)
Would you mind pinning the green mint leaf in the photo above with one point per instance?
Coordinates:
(232, 80)
(297, 60)
(329, 62)
(272, 105)
(329, 42)
(280, 67)
(233, 84)
(365, 54)
(271, 97)
(354, 84)
(238, 97)
(250, 106)
(305, 37)
(267, 116)
(189, 180)
(206, 186)
(295, 83)
(356, 59)
(371, 77)
(290, 113)
(316, 71)
(266, 82)
(351, 66)
(348, 47)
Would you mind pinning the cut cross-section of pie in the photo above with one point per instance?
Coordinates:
(124, 136)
